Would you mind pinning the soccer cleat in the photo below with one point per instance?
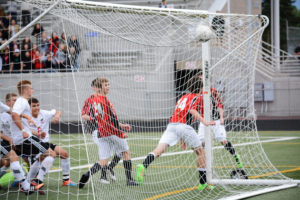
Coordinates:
(29, 191)
(104, 181)
(132, 182)
(68, 183)
(238, 161)
(37, 184)
(112, 174)
(140, 169)
(205, 187)
(84, 178)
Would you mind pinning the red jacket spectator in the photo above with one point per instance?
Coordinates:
(54, 42)
(37, 60)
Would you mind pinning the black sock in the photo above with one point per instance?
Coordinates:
(148, 160)
(114, 161)
(228, 146)
(103, 172)
(202, 177)
(128, 168)
(96, 167)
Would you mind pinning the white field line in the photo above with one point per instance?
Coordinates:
(188, 151)
(151, 138)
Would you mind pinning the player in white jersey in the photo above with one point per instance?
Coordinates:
(23, 139)
(42, 119)
(7, 151)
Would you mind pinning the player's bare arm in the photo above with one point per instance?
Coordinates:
(201, 119)
(4, 137)
(57, 117)
(29, 119)
(221, 116)
(85, 117)
(17, 120)
(126, 127)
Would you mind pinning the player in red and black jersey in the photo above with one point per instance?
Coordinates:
(218, 129)
(179, 129)
(107, 133)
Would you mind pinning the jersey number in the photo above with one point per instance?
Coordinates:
(182, 103)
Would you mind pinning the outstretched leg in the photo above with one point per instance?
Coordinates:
(228, 146)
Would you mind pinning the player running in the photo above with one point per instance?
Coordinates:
(110, 138)
(180, 128)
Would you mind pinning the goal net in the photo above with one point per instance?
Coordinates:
(148, 55)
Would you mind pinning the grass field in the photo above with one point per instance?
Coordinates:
(284, 154)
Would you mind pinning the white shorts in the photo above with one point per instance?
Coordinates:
(177, 131)
(218, 130)
(107, 146)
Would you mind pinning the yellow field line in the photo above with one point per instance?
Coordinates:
(193, 188)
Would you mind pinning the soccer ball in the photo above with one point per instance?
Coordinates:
(203, 33)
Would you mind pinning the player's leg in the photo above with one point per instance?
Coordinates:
(104, 152)
(169, 138)
(46, 158)
(190, 137)
(116, 159)
(220, 134)
(4, 166)
(65, 164)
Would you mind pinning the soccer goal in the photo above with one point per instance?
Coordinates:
(148, 55)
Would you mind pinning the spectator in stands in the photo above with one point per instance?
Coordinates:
(73, 42)
(54, 42)
(49, 63)
(3, 29)
(5, 61)
(163, 4)
(44, 44)
(297, 51)
(63, 39)
(12, 9)
(26, 17)
(61, 58)
(26, 41)
(13, 28)
(73, 59)
(37, 31)
(13, 45)
(15, 62)
(34, 49)
(37, 61)
(26, 62)
(218, 25)
(24, 49)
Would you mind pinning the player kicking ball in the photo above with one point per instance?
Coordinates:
(110, 136)
(180, 128)
(42, 119)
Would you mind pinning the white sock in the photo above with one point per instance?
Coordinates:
(45, 167)
(19, 174)
(65, 165)
(34, 169)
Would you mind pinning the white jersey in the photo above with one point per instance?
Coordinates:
(20, 107)
(3, 107)
(43, 122)
(5, 122)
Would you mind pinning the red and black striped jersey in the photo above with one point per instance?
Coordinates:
(103, 115)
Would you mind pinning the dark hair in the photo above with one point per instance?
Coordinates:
(96, 83)
(33, 100)
(195, 84)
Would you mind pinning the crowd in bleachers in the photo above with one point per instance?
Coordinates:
(42, 51)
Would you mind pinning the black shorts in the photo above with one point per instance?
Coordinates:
(51, 145)
(5, 147)
(32, 146)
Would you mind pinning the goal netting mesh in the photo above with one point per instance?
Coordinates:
(148, 55)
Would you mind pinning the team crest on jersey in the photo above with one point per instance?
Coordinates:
(98, 109)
